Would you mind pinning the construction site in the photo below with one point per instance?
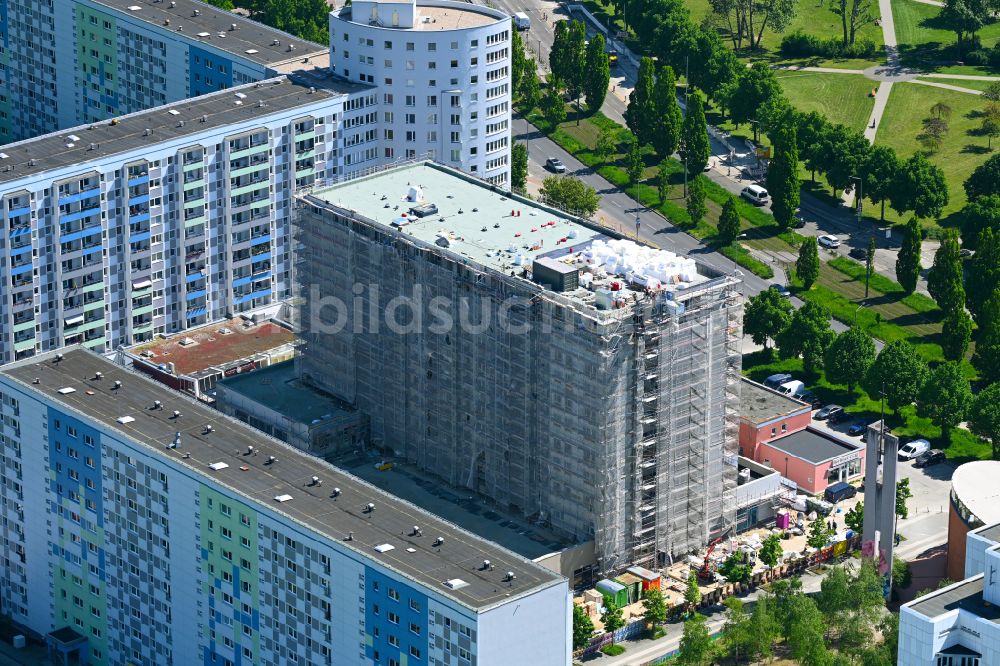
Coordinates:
(562, 373)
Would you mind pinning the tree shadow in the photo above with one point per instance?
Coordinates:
(974, 149)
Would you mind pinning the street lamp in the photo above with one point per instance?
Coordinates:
(860, 198)
(856, 311)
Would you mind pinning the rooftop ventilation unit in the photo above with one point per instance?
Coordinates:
(438, 542)
(176, 414)
(487, 566)
(416, 531)
(369, 508)
(208, 429)
(335, 493)
(118, 384)
(157, 404)
(271, 460)
(315, 481)
(509, 577)
(98, 376)
(424, 210)
(177, 440)
(58, 358)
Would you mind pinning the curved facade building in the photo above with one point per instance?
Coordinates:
(443, 73)
(975, 501)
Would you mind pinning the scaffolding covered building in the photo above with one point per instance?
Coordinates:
(560, 371)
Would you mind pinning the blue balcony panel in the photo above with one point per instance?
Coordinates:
(70, 198)
(82, 233)
(80, 214)
(201, 293)
(140, 236)
(254, 295)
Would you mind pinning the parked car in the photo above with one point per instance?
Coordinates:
(612, 58)
(782, 290)
(829, 240)
(858, 253)
(555, 164)
(965, 253)
(774, 381)
(928, 458)
(798, 222)
(857, 429)
(838, 492)
(755, 194)
(810, 398)
(913, 448)
(828, 411)
(791, 388)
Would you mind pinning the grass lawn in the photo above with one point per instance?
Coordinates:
(961, 83)
(924, 41)
(962, 446)
(962, 150)
(843, 98)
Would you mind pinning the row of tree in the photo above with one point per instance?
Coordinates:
(848, 611)
(580, 67)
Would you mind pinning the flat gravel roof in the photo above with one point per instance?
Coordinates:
(460, 556)
(250, 40)
(966, 595)
(759, 403)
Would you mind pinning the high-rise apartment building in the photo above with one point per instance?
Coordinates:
(164, 219)
(443, 74)
(143, 527)
(563, 373)
(69, 62)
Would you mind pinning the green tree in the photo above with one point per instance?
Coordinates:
(577, 54)
(901, 575)
(696, 208)
(983, 270)
(819, 534)
(945, 397)
(908, 259)
(735, 568)
(869, 263)
(809, 335)
(990, 125)
(663, 179)
(855, 517)
(921, 187)
(766, 315)
(640, 113)
(518, 58)
(992, 92)
(807, 265)
(696, 644)
(737, 636)
(530, 92)
(695, 137)
(755, 87)
(984, 417)
(596, 74)
(849, 356)
(956, 332)
(903, 493)
(307, 19)
(811, 133)
(976, 216)
(667, 117)
(834, 598)
(900, 370)
(654, 607)
(771, 551)
(944, 281)
(519, 166)
(783, 177)
(879, 175)
(987, 357)
(729, 222)
(583, 628)
(634, 164)
(984, 180)
(612, 618)
(805, 631)
(560, 57)
(692, 593)
(570, 194)
(607, 144)
(844, 154)
(766, 630)
(553, 107)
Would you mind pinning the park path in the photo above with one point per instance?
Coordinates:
(947, 86)
(826, 70)
(932, 3)
(961, 77)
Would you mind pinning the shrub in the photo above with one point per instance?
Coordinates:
(803, 45)
(979, 57)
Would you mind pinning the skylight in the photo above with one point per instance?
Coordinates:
(215, 467)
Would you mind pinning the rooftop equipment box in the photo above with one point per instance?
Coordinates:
(555, 275)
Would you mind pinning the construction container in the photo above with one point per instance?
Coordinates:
(613, 592)
(633, 584)
(650, 580)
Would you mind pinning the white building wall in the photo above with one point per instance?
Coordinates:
(547, 615)
(457, 115)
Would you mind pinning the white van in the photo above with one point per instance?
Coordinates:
(521, 21)
(792, 388)
(755, 194)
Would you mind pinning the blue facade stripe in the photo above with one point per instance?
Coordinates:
(405, 612)
(92, 250)
(16, 251)
(19, 211)
(260, 241)
(82, 233)
(194, 276)
(70, 198)
(257, 258)
(19, 231)
(140, 236)
(251, 278)
(18, 270)
(199, 73)
(138, 180)
(80, 214)
(251, 296)
(139, 200)
(141, 217)
(201, 293)
(196, 312)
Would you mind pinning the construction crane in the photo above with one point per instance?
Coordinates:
(705, 573)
